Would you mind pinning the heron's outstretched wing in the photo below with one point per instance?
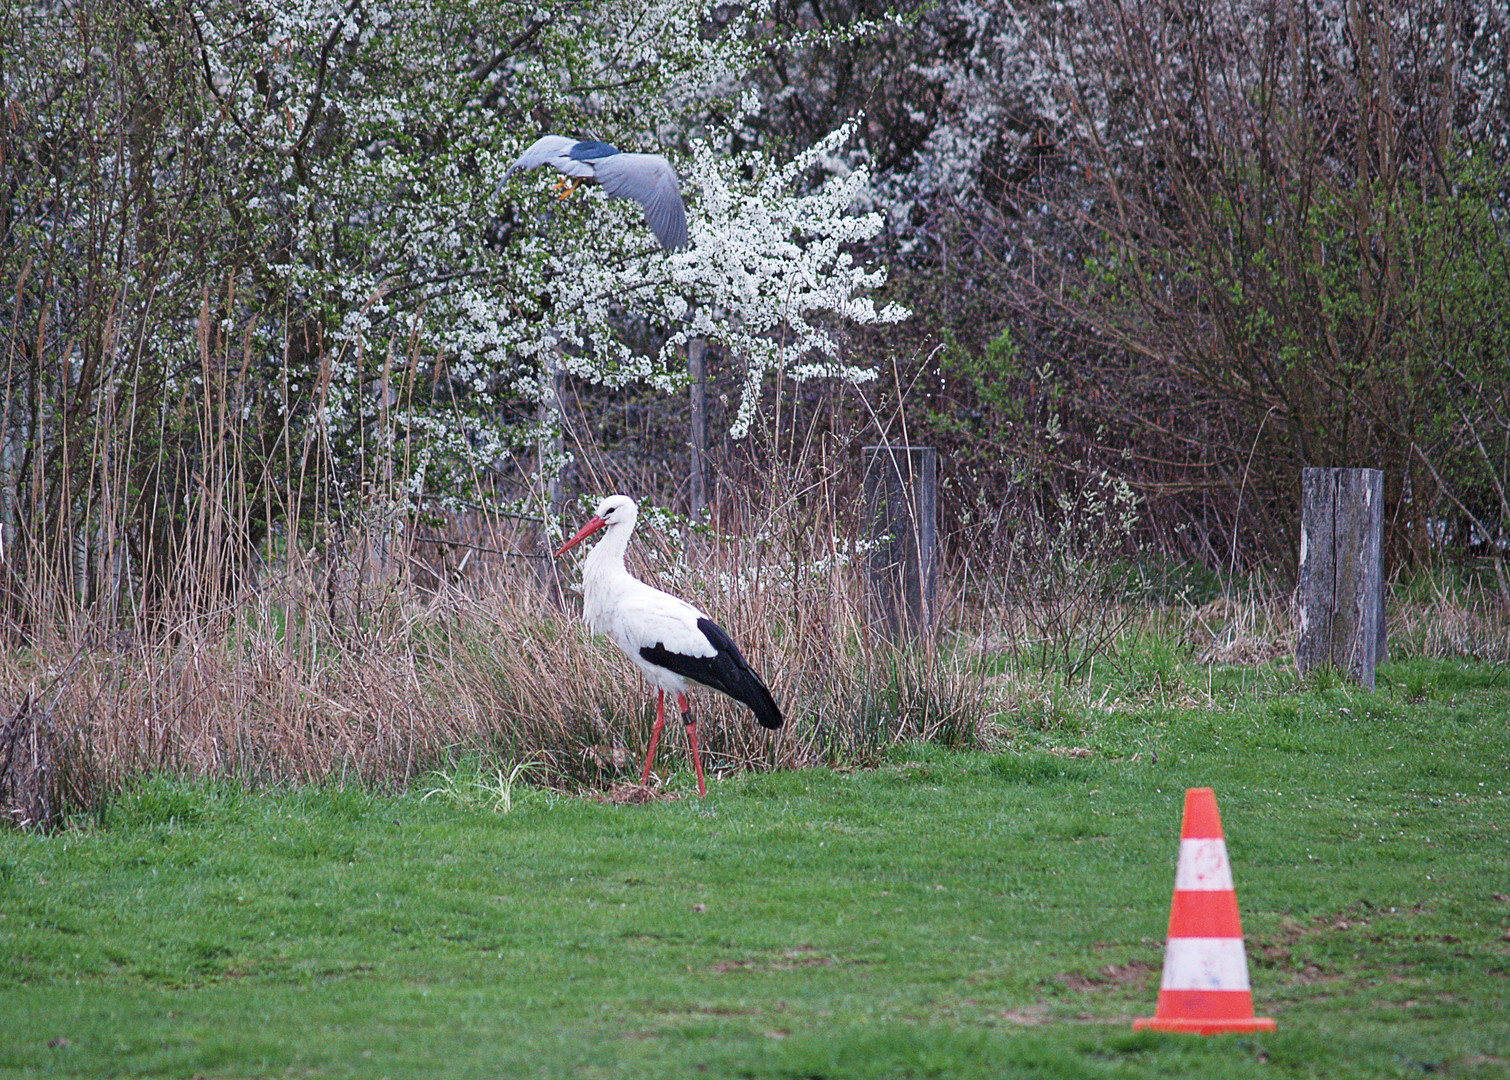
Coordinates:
(649, 180)
(553, 150)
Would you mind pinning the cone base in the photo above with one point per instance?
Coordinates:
(1204, 1027)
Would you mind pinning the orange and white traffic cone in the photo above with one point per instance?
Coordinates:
(1205, 984)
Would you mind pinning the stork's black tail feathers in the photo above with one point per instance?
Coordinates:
(726, 671)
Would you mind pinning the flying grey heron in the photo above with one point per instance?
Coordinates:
(648, 179)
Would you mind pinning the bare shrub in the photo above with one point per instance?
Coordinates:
(1291, 253)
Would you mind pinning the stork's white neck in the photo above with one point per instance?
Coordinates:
(607, 556)
(604, 577)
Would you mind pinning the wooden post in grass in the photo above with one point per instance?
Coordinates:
(1341, 593)
(901, 500)
(697, 374)
(548, 451)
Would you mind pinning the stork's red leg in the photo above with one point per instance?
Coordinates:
(655, 733)
(697, 757)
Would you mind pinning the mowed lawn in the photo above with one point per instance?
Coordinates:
(945, 915)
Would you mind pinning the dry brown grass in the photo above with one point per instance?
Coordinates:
(399, 659)
(1251, 628)
(1452, 616)
(355, 675)
(1439, 613)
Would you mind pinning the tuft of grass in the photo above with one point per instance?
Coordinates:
(476, 784)
(1447, 611)
(161, 801)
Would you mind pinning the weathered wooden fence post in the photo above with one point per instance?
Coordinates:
(901, 498)
(697, 373)
(551, 421)
(1341, 593)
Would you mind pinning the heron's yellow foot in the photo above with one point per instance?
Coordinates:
(565, 186)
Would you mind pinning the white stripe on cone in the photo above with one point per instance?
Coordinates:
(1204, 964)
(1203, 866)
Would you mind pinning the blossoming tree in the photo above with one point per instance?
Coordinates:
(258, 246)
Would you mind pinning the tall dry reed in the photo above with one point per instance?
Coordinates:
(379, 669)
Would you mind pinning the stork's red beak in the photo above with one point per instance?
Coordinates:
(594, 523)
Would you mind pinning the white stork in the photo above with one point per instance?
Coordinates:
(673, 643)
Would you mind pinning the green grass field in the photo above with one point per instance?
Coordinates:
(946, 915)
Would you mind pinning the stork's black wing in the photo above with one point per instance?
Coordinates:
(726, 671)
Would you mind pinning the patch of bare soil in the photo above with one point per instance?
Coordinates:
(804, 956)
(1274, 951)
(1034, 1015)
(634, 795)
(1109, 977)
